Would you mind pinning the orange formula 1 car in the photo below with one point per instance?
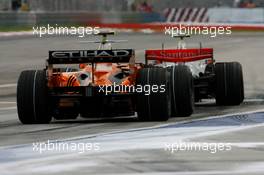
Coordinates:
(108, 83)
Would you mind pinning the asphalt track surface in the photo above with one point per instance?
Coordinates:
(125, 145)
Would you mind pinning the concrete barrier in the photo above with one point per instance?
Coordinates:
(160, 27)
(240, 19)
(214, 15)
(236, 15)
(17, 18)
(79, 18)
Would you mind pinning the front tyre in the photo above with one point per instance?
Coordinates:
(32, 97)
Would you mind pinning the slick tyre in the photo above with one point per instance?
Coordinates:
(153, 106)
(229, 84)
(32, 97)
(182, 91)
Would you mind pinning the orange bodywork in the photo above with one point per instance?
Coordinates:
(102, 75)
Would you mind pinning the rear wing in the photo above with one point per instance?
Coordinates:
(90, 56)
(179, 55)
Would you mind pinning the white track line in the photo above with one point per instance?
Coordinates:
(254, 100)
(166, 125)
(8, 85)
(7, 102)
(8, 108)
(10, 34)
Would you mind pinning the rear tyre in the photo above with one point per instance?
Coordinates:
(229, 85)
(182, 91)
(153, 105)
(32, 97)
